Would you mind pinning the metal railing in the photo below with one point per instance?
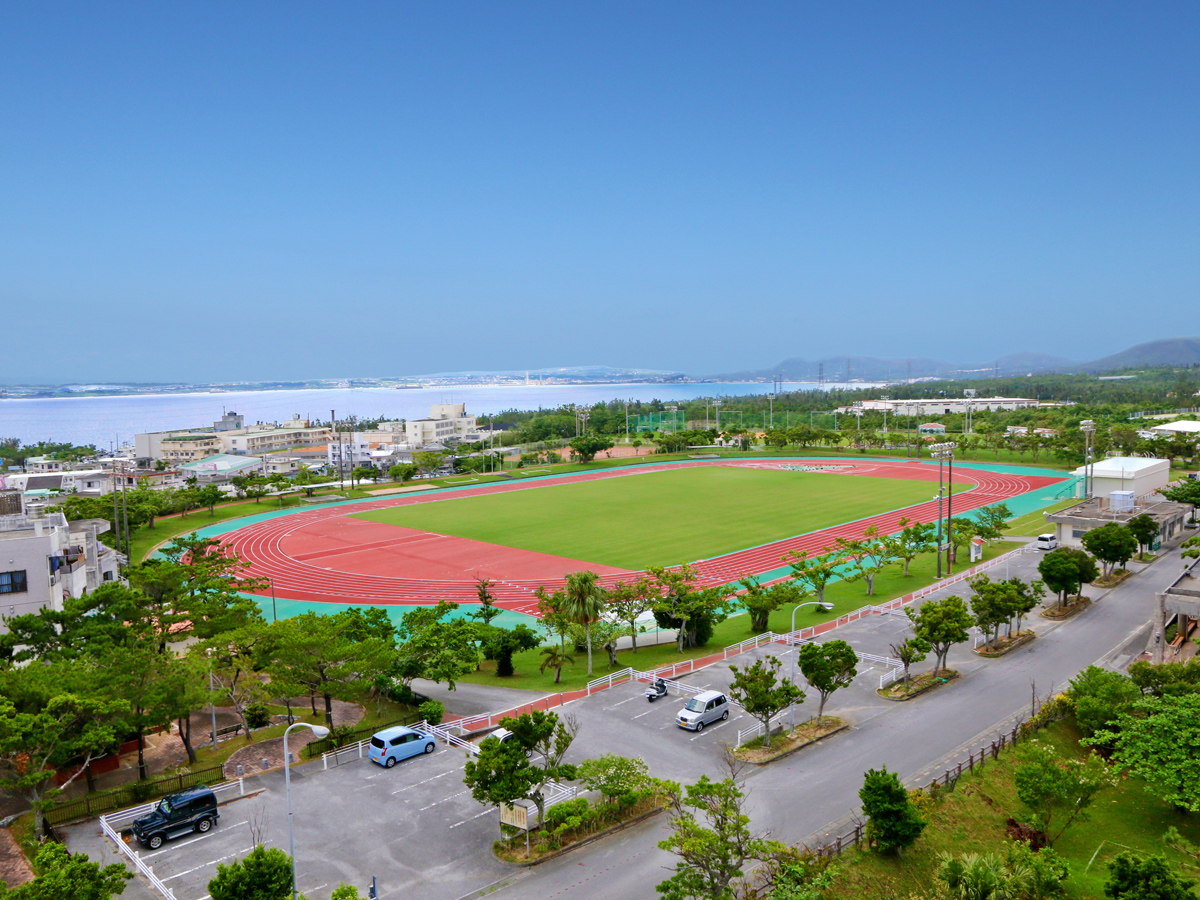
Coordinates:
(757, 729)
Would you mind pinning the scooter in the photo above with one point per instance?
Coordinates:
(656, 690)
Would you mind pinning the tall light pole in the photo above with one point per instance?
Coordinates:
(674, 418)
(717, 404)
(771, 399)
(941, 452)
(320, 731)
(1088, 427)
(211, 703)
(825, 606)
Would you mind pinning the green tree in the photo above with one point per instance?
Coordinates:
(214, 582)
(320, 654)
(521, 769)
(619, 779)
(827, 667)
(1135, 877)
(585, 603)
(941, 624)
(1144, 530)
(1066, 570)
(502, 643)
(762, 693)
(487, 602)
(402, 472)
(1186, 490)
(990, 521)
(1058, 790)
(265, 874)
(433, 643)
(681, 605)
(893, 822)
(867, 557)
(555, 658)
(210, 495)
(910, 651)
(914, 539)
(49, 726)
(1156, 740)
(1100, 696)
(62, 874)
(428, 462)
(629, 602)
(586, 446)
(813, 574)
(361, 473)
(1113, 544)
(712, 841)
(761, 601)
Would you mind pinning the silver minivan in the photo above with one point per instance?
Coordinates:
(1047, 542)
(703, 709)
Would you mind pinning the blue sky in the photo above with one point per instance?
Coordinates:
(246, 191)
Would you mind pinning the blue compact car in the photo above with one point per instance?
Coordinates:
(394, 744)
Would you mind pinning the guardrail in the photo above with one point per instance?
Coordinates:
(757, 730)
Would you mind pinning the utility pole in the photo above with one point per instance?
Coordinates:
(338, 439)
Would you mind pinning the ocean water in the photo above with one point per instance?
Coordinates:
(106, 421)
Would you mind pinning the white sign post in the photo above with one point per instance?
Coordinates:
(517, 817)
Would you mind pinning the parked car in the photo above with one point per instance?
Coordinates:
(1047, 542)
(391, 745)
(703, 709)
(504, 736)
(192, 810)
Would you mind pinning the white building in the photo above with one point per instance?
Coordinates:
(1184, 429)
(447, 422)
(945, 406)
(1140, 475)
(231, 436)
(44, 559)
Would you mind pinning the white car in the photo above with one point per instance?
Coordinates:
(1047, 542)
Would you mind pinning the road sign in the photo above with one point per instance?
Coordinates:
(516, 816)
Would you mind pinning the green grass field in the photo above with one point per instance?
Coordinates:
(661, 518)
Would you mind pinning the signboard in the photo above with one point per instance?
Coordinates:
(516, 816)
(977, 548)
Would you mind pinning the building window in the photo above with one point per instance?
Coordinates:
(1078, 532)
(13, 582)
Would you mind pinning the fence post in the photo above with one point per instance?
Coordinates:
(241, 787)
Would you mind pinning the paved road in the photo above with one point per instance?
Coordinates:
(799, 798)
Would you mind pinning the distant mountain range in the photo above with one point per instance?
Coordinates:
(1170, 352)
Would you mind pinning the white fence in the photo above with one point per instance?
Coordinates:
(114, 823)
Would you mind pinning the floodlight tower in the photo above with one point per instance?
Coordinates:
(718, 404)
(1088, 427)
(942, 452)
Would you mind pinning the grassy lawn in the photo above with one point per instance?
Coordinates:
(661, 517)
(1034, 523)
(973, 818)
(845, 597)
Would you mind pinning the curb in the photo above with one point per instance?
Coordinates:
(1072, 611)
(766, 762)
(933, 686)
(613, 829)
(1021, 641)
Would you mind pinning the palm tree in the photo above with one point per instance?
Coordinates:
(555, 658)
(585, 603)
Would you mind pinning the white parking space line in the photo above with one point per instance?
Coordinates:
(646, 713)
(710, 728)
(622, 703)
(443, 800)
(179, 844)
(419, 783)
(473, 818)
(209, 863)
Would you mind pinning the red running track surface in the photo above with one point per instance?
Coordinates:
(324, 556)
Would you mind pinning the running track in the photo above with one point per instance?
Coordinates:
(304, 579)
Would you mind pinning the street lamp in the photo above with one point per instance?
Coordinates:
(825, 606)
(1088, 427)
(320, 731)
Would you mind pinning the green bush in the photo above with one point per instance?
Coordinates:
(568, 809)
(432, 712)
(341, 735)
(258, 715)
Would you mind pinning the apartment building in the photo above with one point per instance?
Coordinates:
(44, 558)
(230, 435)
(447, 422)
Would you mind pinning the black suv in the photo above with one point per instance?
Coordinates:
(192, 810)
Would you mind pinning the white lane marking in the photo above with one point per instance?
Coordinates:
(615, 705)
(209, 863)
(426, 781)
(199, 837)
(646, 713)
(708, 728)
(473, 818)
(443, 800)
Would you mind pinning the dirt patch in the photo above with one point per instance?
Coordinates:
(1005, 645)
(1065, 612)
(252, 756)
(915, 687)
(786, 744)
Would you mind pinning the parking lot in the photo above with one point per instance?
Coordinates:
(417, 828)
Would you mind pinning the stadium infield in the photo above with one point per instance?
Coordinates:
(660, 518)
(332, 554)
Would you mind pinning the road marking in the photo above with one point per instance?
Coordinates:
(473, 818)
(708, 728)
(207, 864)
(419, 783)
(615, 705)
(199, 837)
(443, 800)
(646, 713)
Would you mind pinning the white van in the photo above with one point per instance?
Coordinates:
(1047, 542)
